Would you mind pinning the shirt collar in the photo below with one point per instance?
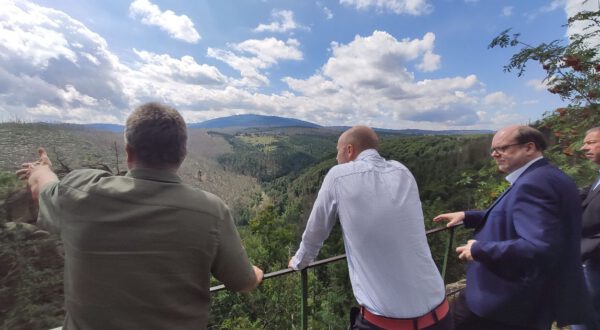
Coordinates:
(153, 174)
(366, 154)
(514, 175)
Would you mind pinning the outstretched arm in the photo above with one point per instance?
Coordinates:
(38, 174)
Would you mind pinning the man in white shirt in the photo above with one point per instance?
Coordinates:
(393, 276)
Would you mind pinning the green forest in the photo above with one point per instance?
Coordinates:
(454, 172)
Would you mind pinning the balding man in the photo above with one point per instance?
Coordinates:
(393, 276)
(523, 264)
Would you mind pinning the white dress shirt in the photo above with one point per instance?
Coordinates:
(514, 175)
(597, 182)
(389, 261)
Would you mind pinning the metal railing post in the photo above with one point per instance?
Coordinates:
(304, 306)
(448, 248)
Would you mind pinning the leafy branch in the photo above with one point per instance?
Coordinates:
(572, 70)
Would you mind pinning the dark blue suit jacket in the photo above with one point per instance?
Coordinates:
(527, 269)
(590, 225)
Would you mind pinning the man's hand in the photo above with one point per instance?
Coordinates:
(290, 263)
(259, 277)
(38, 173)
(454, 218)
(464, 252)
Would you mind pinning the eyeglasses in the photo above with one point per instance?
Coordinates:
(502, 149)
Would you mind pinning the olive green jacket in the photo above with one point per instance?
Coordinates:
(140, 249)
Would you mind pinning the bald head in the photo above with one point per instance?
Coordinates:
(361, 137)
(354, 141)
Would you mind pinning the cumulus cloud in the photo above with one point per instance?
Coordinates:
(370, 78)
(411, 7)
(379, 59)
(185, 70)
(50, 61)
(572, 7)
(54, 68)
(283, 21)
(498, 99)
(431, 62)
(251, 56)
(179, 27)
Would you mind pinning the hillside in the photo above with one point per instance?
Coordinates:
(75, 146)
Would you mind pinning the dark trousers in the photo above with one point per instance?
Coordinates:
(591, 272)
(464, 319)
(359, 323)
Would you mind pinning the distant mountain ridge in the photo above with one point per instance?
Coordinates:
(261, 121)
(106, 127)
(253, 121)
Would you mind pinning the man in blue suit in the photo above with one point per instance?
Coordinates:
(524, 269)
(590, 227)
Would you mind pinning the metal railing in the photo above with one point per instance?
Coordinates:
(319, 263)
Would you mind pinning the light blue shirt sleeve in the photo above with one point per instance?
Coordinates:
(322, 219)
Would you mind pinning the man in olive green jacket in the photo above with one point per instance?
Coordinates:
(140, 249)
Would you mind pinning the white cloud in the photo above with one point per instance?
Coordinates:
(328, 13)
(572, 7)
(554, 4)
(251, 56)
(507, 11)
(48, 60)
(431, 62)
(179, 27)
(537, 84)
(369, 78)
(54, 68)
(411, 7)
(185, 69)
(499, 99)
(378, 59)
(283, 20)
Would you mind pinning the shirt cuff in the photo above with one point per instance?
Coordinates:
(297, 263)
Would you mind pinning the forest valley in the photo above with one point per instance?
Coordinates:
(269, 177)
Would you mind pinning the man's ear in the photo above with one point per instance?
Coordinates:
(352, 154)
(531, 147)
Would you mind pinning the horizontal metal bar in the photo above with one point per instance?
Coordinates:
(320, 262)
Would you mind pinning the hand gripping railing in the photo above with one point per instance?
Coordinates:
(304, 273)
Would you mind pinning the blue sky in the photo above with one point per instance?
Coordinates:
(385, 63)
